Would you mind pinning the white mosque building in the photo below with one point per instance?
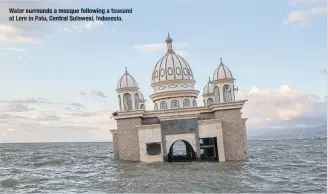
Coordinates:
(212, 131)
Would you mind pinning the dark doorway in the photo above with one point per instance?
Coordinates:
(181, 151)
(208, 149)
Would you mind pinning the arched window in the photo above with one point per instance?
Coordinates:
(217, 94)
(119, 102)
(127, 102)
(227, 93)
(155, 106)
(136, 101)
(204, 102)
(194, 103)
(186, 103)
(142, 106)
(163, 105)
(174, 104)
(210, 101)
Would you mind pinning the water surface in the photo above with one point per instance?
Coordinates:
(273, 166)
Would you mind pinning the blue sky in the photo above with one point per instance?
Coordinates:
(266, 44)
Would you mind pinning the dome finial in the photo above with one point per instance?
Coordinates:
(221, 63)
(126, 70)
(169, 43)
(209, 79)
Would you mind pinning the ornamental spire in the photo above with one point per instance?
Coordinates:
(169, 41)
(126, 70)
(221, 63)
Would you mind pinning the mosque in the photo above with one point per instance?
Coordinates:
(214, 131)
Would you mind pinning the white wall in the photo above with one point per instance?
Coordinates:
(189, 137)
(149, 134)
(213, 128)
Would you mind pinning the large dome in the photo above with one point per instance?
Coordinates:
(222, 72)
(127, 81)
(173, 81)
(171, 67)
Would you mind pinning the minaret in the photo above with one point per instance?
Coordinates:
(169, 43)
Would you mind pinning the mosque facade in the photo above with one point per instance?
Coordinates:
(212, 131)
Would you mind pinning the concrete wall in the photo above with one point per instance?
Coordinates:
(213, 128)
(115, 146)
(234, 134)
(128, 139)
(149, 134)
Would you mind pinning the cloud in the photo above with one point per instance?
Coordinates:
(303, 17)
(182, 53)
(51, 121)
(149, 48)
(304, 2)
(12, 34)
(33, 100)
(14, 107)
(75, 104)
(83, 94)
(281, 107)
(93, 24)
(12, 49)
(98, 94)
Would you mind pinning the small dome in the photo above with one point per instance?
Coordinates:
(222, 72)
(127, 81)
(171, 66)
(209, 88)
(141, 97)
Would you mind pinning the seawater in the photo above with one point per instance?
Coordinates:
(273, 166)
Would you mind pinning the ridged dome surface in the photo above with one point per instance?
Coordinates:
(209, 88)
(127, 81)
(172, 67)
(222, 72)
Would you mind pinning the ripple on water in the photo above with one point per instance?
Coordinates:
(273, 166)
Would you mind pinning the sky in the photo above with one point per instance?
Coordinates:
(58, 79)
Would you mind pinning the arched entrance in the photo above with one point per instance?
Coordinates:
(181, 151)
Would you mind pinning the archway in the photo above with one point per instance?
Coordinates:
(181, 151)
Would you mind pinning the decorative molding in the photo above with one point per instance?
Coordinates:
(174, 94)
(121, 90)
(173, 86)
(175, 81)
(182, 112)
(221, 81)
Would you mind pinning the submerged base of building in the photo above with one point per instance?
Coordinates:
(212, 133)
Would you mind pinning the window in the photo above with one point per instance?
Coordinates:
(127, 102)
(227, 93)
(210, 101)
(120, 103)
(174, 104)
(163, 105)
(136, 101)
(217, 94)
(186, 103)
(153, 148)
(194, 103)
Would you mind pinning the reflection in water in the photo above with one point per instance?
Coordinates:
(273, 166)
